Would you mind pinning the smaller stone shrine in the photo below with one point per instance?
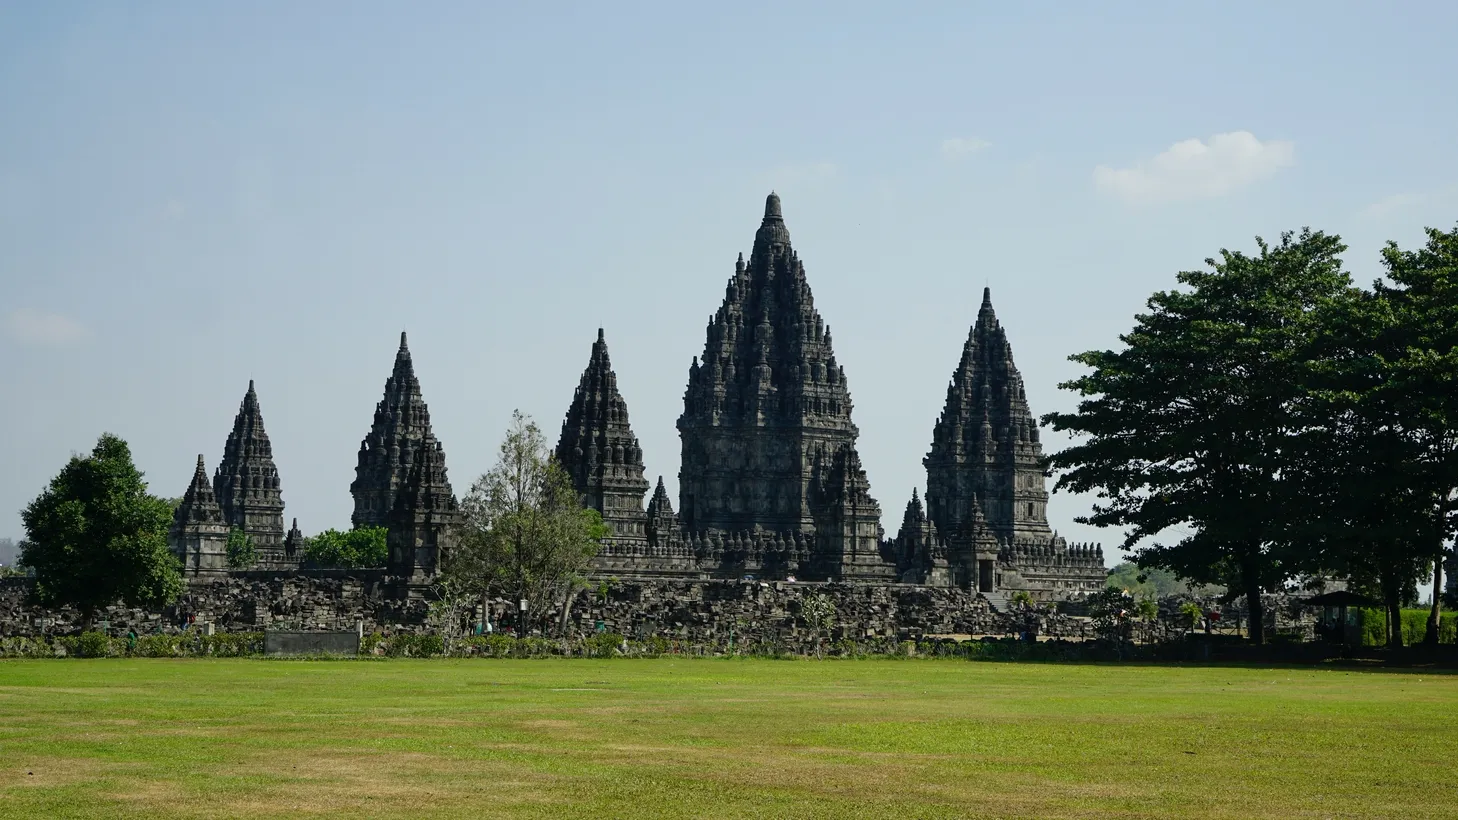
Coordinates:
(199, 535)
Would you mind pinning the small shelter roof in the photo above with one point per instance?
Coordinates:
(1342, 597)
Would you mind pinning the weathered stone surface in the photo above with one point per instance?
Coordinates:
(199, 535)
(986, 489)
(386, 455)
(598, 450)
(694, 612)
(247, 486)
(426, 517)
(768, 442)
(237, 602)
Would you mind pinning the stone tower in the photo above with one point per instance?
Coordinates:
(921, 556)
(662, 520)
(985, 448)
(247, 486)
(599, 451)
(985, 486)
(401, 426)
(199, 535)
(766, 429)
(423, 524)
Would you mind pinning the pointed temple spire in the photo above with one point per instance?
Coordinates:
(294, 542)
(401, 427)
(662, 521)
(199, 535)
(985, 458)
(598, 450)
(247, 486)
(199, 503)
(767, 398)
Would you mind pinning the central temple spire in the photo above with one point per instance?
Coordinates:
(767, 436)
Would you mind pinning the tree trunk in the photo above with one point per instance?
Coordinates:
(1394, 620)
(1256, 610)
(1435, 617)
(566, 610)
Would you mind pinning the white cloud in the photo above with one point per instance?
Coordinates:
(1195, 170)
(34, 327)
(962, 146)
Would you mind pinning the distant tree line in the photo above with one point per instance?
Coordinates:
(1269, 421)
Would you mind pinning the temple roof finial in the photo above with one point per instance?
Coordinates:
(403, 346)
(987, 297)
(600, 335)
(772, 207)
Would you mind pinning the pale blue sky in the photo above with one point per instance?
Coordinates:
(193, 195)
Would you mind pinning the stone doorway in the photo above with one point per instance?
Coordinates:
(984, 575)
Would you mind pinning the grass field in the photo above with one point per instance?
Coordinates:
(721, 738)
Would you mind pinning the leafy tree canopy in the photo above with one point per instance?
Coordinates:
(360, 548)
(94, 535)
(527, 533)
(241, 551)
(1187, 429)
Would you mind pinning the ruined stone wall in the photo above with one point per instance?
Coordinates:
(243, 602)
(706, 611)
(694, 611)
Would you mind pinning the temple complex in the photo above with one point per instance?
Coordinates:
(771, 484)
(247, 486)
(770, 481)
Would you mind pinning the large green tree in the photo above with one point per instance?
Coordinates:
(1187, 429)
(361, 547)
(1370, 510)
(95, 536)
(1422, 289)
(526, 533)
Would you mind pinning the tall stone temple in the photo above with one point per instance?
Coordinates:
(770, 482)
(400, 478)
(247, 487)
(600, 452)
(986, 491)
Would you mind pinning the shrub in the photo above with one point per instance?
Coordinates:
(603, 645)
(414, 646)
(93, 645)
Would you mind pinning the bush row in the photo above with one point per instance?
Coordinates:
(1414, 627)
(100, 645)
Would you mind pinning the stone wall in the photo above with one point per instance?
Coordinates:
(240, 602)
(695, 611)
(770, 611)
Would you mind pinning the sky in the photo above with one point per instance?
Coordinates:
(195, 195)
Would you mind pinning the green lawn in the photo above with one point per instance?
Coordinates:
(721, 738)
